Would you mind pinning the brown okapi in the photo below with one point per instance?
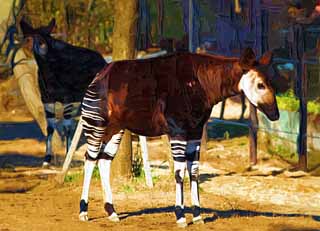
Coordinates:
(170, 95)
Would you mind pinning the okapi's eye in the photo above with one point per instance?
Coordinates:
(261, 86)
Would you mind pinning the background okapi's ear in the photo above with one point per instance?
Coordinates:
(26, 28)
(247, 59)
(48, 29)
(266, 58)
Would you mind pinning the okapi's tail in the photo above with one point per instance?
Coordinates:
(94, 110)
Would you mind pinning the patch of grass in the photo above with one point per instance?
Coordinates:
(96, 173)
(72, 177)
(281, 147)
(127, 188)
(155, 179)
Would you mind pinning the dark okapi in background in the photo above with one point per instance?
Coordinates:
(65, 71)
(171, 95)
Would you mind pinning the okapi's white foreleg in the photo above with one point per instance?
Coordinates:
(193, 155)
(88, 169)
(178, 148)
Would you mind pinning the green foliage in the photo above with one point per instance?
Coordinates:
(289, 102)
(226, 135)
(282, 147)
(137, 163)
(173, 19)
(127, 188)
(96, 173)
(314, 107)
(72, 177)
(78, 21)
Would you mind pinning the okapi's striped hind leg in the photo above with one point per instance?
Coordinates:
(104, 163)
(104, 157)
(178, 148)
(186, 155)
(193, 156)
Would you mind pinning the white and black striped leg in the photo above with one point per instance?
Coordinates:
(109, 152)
(88, 169)
(51, 124)
(178, 148)
(192, 155)
(68, 123)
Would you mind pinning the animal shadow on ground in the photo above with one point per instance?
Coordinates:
(20, 130)
(16, 160)
(207, 176)
(215, 213)
(285, 227)
(10, 161)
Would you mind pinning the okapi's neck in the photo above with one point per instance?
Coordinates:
(220, 80)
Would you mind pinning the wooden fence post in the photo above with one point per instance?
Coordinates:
(253, 131)
(302, 136)
(75, 140)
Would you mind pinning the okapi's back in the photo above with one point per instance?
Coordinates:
(67, 71)
(143, 92)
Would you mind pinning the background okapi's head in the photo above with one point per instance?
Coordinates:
(38, 39)
(255, 83)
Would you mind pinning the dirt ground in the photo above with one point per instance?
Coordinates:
(233, 195)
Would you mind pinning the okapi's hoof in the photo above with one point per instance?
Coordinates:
(197, 220)
(182, 222)
(46, 161)
(45, 165)
(83, 216)
(114, 217)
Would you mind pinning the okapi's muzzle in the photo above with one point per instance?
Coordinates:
(270, 110)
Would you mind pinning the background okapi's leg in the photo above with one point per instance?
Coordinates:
(88, 169)
(68, 123)
(193, 157)
(51, 124)
(178, 148)
(104, 163)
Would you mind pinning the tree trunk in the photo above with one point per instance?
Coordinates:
(124, 38)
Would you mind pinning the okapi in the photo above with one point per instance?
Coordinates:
(170, 95)
(64, 73)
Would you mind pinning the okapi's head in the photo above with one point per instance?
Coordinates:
(38, 39)
(255, 83)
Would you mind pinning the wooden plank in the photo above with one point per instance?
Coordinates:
(253, 131)
(75, 140)
(203, 145)
(145, 159)
(167, 149)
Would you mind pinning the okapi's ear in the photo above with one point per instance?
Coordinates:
(26, 28)
(48, 29)
(266, 58)
(247, 59)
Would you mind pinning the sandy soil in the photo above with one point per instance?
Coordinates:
(30, 200)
